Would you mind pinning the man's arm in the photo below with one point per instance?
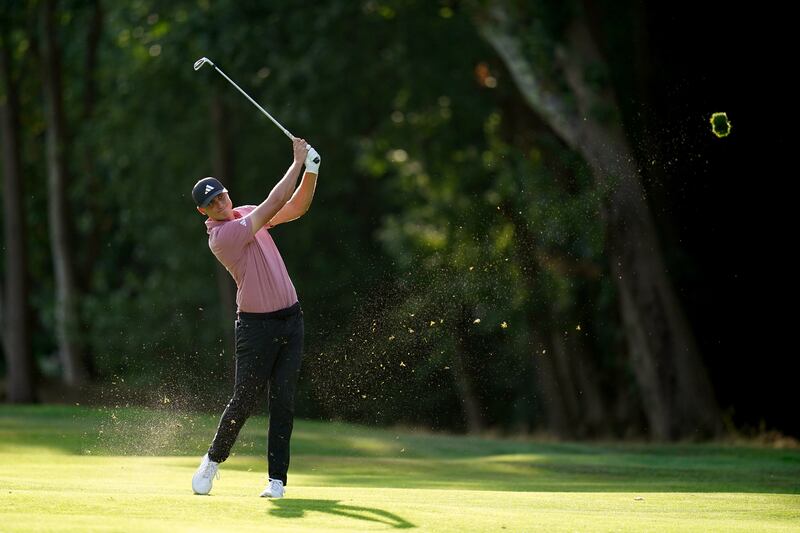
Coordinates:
(281, 192)
(298, 205)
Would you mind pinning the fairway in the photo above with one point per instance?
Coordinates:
(70, 468)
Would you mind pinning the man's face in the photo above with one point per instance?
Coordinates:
(219, 208)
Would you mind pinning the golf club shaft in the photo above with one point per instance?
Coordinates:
(284, 130)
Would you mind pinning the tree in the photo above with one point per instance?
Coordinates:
(14, 318)
(222, 150)
(580, 107)
(67, 318)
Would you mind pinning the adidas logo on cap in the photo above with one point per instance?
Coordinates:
(205, 189)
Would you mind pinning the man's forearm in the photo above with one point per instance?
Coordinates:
(305, 193)
(283, 190)
(277, 198)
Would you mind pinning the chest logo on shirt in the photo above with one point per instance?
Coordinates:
(243, 222)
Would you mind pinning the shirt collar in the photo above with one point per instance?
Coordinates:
(211, 223)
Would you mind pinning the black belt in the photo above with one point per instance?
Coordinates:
(280, 313)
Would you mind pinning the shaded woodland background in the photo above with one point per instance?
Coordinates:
(523, 221)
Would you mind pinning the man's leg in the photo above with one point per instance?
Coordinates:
(282, 386)
(251, 380)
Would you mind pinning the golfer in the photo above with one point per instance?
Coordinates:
(269, 325)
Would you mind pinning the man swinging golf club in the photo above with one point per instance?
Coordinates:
(269, 326)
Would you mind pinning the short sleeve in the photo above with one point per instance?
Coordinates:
(229, 240)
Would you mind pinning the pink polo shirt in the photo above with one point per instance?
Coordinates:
(262, 282)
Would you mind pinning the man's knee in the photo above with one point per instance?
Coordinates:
(282, 401)
(246, 399)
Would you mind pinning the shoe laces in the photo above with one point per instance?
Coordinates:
(275, 485)
(211, 470)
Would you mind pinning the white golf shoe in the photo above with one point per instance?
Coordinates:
(274, 489)
(204, 477)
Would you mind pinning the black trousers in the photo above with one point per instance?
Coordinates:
(269, 352)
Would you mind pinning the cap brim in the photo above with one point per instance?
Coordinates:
(208, 200)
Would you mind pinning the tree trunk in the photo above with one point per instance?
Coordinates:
(563, 363)
(3, 337)
(14, 323)
(553, 395)
(677, 393)
(223, 170)
(590, 413)
(461, 373)
(558, 364)
(101, 221)
(554, 400)
(66, 305)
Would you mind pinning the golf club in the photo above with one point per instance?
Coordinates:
(203, 60)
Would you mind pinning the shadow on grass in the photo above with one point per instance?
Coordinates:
(350, 455)
(292, 508)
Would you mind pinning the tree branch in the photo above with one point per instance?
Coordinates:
(497, 29)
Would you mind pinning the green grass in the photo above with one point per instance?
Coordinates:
(68, 468)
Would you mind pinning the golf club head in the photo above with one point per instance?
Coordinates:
(202, 61)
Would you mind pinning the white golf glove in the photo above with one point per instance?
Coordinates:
(313, 161)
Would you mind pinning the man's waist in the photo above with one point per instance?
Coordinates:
(280, 313)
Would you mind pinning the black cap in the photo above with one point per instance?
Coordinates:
(205, 190)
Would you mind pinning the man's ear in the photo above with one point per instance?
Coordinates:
(202, 211)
